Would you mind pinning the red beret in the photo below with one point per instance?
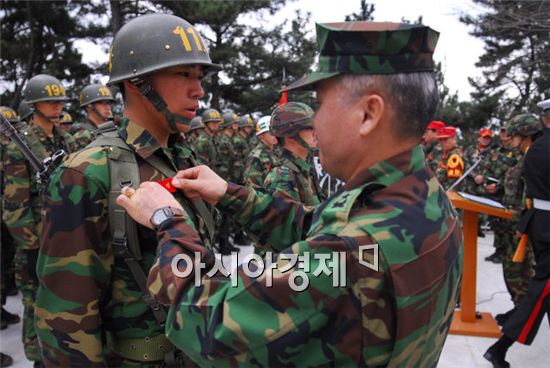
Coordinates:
(446, 132)
(436, 125)
(485, 133)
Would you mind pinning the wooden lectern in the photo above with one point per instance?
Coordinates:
(465, 321)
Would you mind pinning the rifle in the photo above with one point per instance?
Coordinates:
(42, 169)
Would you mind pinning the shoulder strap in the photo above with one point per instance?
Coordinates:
(123, 171)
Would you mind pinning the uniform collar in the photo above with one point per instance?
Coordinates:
(140, 140)
(298, 161)
(41, 134)
(390, 170)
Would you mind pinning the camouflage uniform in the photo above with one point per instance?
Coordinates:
(205, 149)
(23, 204)
(226, 159)
(471, 155)
(259, 164)
(292, 176)
(396, 316)
(433, 155)
(76, 326)
(450, 168)
(239, 148)
(82, 133)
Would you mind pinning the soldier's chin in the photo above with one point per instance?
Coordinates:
(54, 119)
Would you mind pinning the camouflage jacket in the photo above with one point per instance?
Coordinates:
(497, 165)
(240, 152)
(471, 155)
(258, 164)
(225, 157)
(514, 187)
(450, 168)
(82, 133)
(433, 155)
(23, 198)
(292, 176)
(86, 294)
(205, 148)
(398, 316)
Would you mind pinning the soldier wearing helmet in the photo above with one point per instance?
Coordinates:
(292, 172)
(532, 182)
(24, 111)
(260, 159)
(205, 147)
(95, 309)
(97, 101)
(66, 122)
(45, 95)
(246, 128)
(197, 126)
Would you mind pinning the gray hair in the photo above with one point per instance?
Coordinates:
(413, 97)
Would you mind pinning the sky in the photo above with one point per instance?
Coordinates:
(456, 49)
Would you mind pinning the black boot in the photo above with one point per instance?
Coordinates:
(497, 352)
(501, 318)
(5, 360)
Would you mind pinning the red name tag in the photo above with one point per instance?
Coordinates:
(167, 184)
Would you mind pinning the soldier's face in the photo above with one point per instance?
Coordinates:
(52, 109)
(180, 87)
(213, 126)
(484, 141)
(103, 108)
(429, 136)
(447, 143)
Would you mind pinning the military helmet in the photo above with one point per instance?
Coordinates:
(246, 121)
(262, 126)
(229, 117)
(44, 87)
(24, 110)
(211, 116)
(288, 119)
(196, 123)
(66, 118)
(93, 93)
(524, 125)
(9, 114)
(153, 42)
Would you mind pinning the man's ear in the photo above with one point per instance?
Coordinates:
(373, 108)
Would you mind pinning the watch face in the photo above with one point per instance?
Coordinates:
(158, 217)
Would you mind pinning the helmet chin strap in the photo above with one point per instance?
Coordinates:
(43, 116)
(159, 104)
(103, 118)
(311, 150)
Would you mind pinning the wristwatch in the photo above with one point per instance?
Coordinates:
(164, 214)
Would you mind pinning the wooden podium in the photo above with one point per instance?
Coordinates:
(465, 321)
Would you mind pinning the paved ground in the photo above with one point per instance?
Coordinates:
(459, 351)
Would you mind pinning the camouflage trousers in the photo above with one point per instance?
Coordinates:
(499, 226)
(27, 285)
(516, 275)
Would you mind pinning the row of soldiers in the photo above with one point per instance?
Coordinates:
(491, 170)
(278, 158)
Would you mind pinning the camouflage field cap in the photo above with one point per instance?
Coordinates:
(196, 123)
(9, 114)
(262, 126)
(524, 125)
(211, 116)
(94, 93)
(24, 110)
(246, 121)
(228, 118)
(66, 118)
(370, 48)
(290, 118)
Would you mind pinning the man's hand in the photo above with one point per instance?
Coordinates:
(141, 203)
(479, 179)
(200, 182)
(491, 188)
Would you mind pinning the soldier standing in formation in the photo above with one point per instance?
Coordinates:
(66, 122)
(432, 148)
(260, 159)
(205, 145)
(197, 127)
(23, 198)
(473, 153)
(451, 166)
(522, 324)
(291, 173)
(107, 318)
(395, 316)
(97, 102)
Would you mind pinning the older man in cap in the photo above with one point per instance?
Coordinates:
(432, 149)
(451, 166)
(379, 262)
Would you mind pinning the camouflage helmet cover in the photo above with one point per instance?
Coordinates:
(288, 119)
(196, 123)
(44, 87)
(246, 121)
(362, 47)
(211, 116)
(94, 93)
(153, 42)
(24, 110)
(228, 118)
(9, 114)
(66, 118)
(524, 125)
